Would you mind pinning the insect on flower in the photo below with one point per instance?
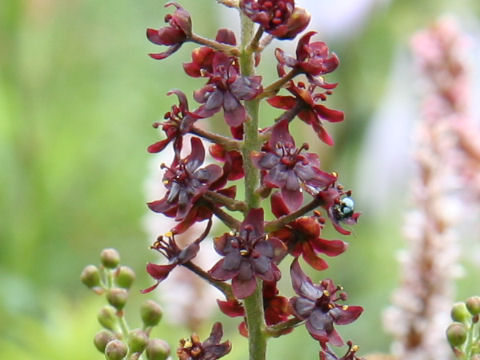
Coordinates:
(344, 209)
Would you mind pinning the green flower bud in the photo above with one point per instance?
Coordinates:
(115, 350)
(107, 317)
(91, 277)
(459, 312)
(151, 313)
(456, 334)
(473, 305)
(157, 349)
(137, 340)
(117, 297)
(124, 277)
(110, 258)
(102, 338)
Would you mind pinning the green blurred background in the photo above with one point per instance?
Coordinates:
(78, 94)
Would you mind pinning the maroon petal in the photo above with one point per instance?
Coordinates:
(320, 327)
(197, 156)
(325, 136)
(151, 288)
(329, 114)
(293, 199)
(279, 208)
(231, 308)
(235, 116)
(329, 247)
(165, 54)
(158, 146)
(160, 272)
(281, 135)
(302, 307)
(226, 36)
(301, 53)
(282, 102)
(215, 335)
(302, 284)
(346, 314)
(254, 219)
(161, 206)
(312, 259)
(243, 288)
(218, 272)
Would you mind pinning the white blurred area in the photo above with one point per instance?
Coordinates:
(341, 18)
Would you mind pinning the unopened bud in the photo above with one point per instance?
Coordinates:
(91, 277)
(107, 318)
(117, 297)
(473, 305)
(459, 312)
(115, 350)
(124, 277)
(101, 339)
(137, 340)
(456, 334)
(157, 349)
(151, 313)
(110, 258)
(297, 22)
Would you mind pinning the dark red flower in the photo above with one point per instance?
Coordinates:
(210, 349)
(312, 59)
(305, 103)
(276, 308)
(339, 206)
(247, 255)
(186, 183)
(174, 35)
(287, 167)
(202, 57)
(232, 160)
(302, 237)
(174, 255)
(318, 305)
(179, 121)
(279, 18)
(225, 89)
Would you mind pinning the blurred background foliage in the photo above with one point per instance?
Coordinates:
(78, 95)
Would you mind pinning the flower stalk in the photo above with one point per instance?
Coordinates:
(271, 166)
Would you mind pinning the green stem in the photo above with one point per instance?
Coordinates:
(229, 203)
(284, 220)
(468, 346)
(227, 219)
(227, 143)
(273, 88)
(225, 48)
(278, 329)
(257, 338)
(251, 142)
(223, 287)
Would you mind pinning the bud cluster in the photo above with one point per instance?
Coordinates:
(116, 340)
(463, 334)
